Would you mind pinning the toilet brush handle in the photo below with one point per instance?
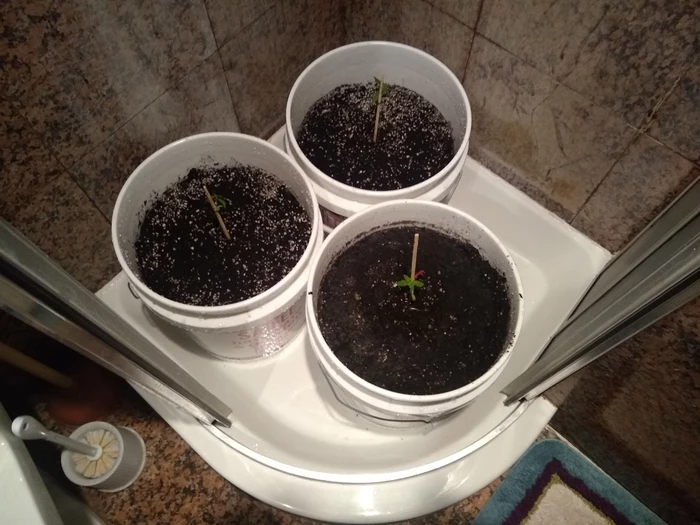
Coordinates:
(26, 427)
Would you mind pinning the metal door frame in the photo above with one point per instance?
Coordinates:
(656, 273)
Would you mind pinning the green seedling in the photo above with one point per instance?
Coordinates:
(219, 202)
(411, 284)
(381, 91)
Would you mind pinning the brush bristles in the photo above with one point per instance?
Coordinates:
(94, 468)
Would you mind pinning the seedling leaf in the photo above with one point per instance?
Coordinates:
(380, 86)
(219, 202)
(411, 284)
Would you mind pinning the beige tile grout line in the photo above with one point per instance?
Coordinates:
(643, 128)
(69, 170)
(218, 51)
(144, 108)
(478, 14)
(649, 120)
(607, 173)
(471, 43)
(554, 79)
(223, 44)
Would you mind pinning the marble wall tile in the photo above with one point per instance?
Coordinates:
(634, 411)
(412, 22)
(229, 17)
(80, 69)
(264, 60)
(538, 133)
(677, 123)
(26, 163)
(466, 11)
(31, 33)
(62, 221)
(200, 103)
(548, 35)
(622, 55)
(646, 178)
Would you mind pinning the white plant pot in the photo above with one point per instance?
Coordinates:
(256, 327)
(392, 408)
(396, 64)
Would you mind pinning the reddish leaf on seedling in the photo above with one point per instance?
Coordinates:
(418, 274)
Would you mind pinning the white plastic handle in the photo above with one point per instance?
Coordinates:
(26, 427)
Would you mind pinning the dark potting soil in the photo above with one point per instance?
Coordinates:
(414, 141)
(449, 336)
(182, 252)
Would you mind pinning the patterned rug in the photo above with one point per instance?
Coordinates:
(552, 484)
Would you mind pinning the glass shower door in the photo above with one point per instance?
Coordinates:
(36, 290)
(656, 273)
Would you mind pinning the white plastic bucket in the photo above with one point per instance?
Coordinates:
(256, 327)
(396, 64)
(392, 408)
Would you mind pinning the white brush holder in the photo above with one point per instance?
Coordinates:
(127, 467)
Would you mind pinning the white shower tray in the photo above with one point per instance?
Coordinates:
(294, 446)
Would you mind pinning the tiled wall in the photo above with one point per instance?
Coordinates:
(593, 109)
(590, 108)
(89, 89)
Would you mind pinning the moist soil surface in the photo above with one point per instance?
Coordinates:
(414, 141)
(182, 252)
(449, 336)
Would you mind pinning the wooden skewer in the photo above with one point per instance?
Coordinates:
(415, 256)
(33, 367)
(379, 105)
(218, 215)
